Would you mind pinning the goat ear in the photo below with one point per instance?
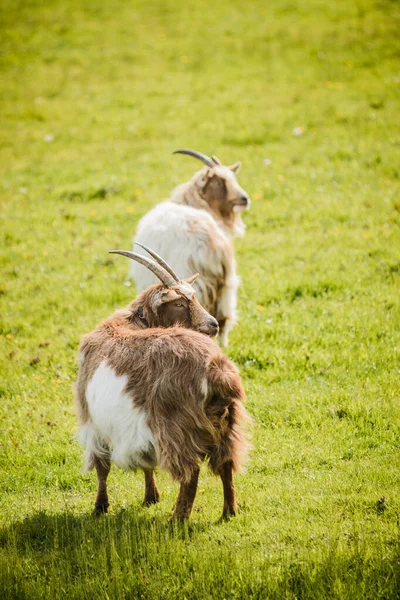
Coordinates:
(139, 318)
(140, 313)
(204, 177)
(235, 167)
(192, 278)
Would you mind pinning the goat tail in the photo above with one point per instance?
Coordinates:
(224, 379)
(227, 413)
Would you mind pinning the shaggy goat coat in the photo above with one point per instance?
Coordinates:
(159, 396)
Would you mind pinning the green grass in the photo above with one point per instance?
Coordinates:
(114, 87)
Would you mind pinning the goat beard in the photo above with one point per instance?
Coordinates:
(238, 208)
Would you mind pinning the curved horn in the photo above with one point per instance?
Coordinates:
(192, 278)
(207, 161)
(158, 270)
(160, 261)
(216, 160)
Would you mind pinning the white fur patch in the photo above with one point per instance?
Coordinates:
(191, 240)
(116, 423)
(181, 235)
(93, 443)
(204, 387)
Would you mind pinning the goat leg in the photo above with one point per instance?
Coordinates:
(187, 494)
(225, 325)
(103, 466)
(226, 304)
(230, 506)
(151, 495)
(222, 336)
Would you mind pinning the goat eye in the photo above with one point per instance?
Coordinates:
(179, 304)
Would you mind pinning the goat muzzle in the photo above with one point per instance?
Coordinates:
(211, 328)
(243, 203)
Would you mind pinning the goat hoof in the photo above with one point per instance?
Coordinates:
(228, 514)
(177, 518)
(150, 501)
(100, 509)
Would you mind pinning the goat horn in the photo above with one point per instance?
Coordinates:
(207, 161)
(160, 261)
(163, 275)
(216, 160)
(192, 278)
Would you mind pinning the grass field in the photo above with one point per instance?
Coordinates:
(94, 99)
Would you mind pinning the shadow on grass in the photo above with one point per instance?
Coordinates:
(135, 554)
(84, 556)
(43, 531)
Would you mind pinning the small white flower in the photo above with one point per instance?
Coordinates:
(267, 161)
(23, 190)
(48, 138)
(127, 283)
(297, 131)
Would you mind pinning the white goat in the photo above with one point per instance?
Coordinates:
(193, 230)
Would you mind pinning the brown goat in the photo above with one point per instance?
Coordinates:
(150, 394)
